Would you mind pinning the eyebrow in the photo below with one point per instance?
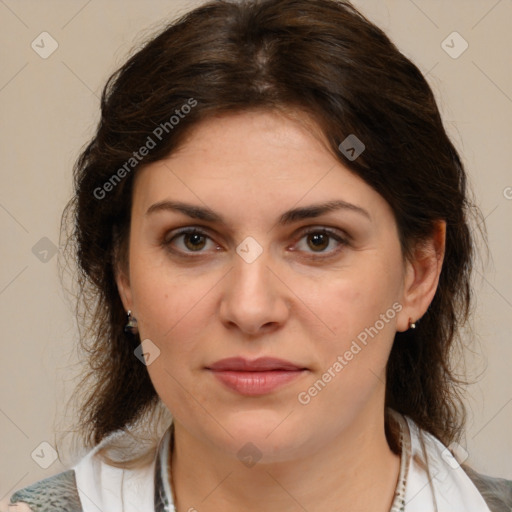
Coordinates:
(294, 215)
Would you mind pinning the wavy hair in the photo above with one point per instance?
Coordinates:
(321, 57)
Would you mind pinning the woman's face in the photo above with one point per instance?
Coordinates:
(269, 273)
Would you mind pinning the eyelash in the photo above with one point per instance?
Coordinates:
(166, 243)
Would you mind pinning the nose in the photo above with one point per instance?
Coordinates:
(255, 298)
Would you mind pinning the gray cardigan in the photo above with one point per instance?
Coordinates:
(58, 493)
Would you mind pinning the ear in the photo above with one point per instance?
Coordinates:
(121, 274)
(423, 269)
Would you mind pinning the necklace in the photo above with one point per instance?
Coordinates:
(398, 504)
(171, 451)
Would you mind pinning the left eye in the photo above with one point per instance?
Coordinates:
(320, 240)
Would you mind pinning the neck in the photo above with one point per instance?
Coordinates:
(356, 471)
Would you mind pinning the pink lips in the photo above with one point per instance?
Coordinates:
(257, 377)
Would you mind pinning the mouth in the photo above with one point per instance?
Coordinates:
(258, 377)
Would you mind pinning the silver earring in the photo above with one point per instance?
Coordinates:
(131, 324)
(412, 325)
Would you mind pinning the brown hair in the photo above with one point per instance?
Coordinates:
(321, 57)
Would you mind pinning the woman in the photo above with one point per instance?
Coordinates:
(272, 225)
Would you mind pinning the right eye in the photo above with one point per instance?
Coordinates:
(188, 240)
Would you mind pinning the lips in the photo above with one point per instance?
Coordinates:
(262, 364)
(258, 377)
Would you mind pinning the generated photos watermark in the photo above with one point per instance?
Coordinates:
(357, 345)
(152, 141)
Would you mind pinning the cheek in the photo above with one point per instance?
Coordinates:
(360, 305)
(355, 299)
(172, 308)
(174, 315)
(177, 313)
(361, 309)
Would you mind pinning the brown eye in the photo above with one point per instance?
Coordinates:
(194, 241)
(318, 241)
(322, 242)
(188, 241)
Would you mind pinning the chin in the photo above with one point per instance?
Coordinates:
(263, 435)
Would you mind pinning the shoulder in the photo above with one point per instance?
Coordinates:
(497, 492)
(57, 493)
(456, 480)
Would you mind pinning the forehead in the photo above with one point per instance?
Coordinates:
(245, 159)
(244, 140)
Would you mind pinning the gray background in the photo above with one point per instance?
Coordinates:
(49, 110)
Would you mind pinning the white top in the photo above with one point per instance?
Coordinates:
(442, 487)
(430, 480)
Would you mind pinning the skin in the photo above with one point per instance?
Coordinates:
(250, 168)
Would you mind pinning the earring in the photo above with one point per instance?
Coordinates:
(131, 325)
(412, 325)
